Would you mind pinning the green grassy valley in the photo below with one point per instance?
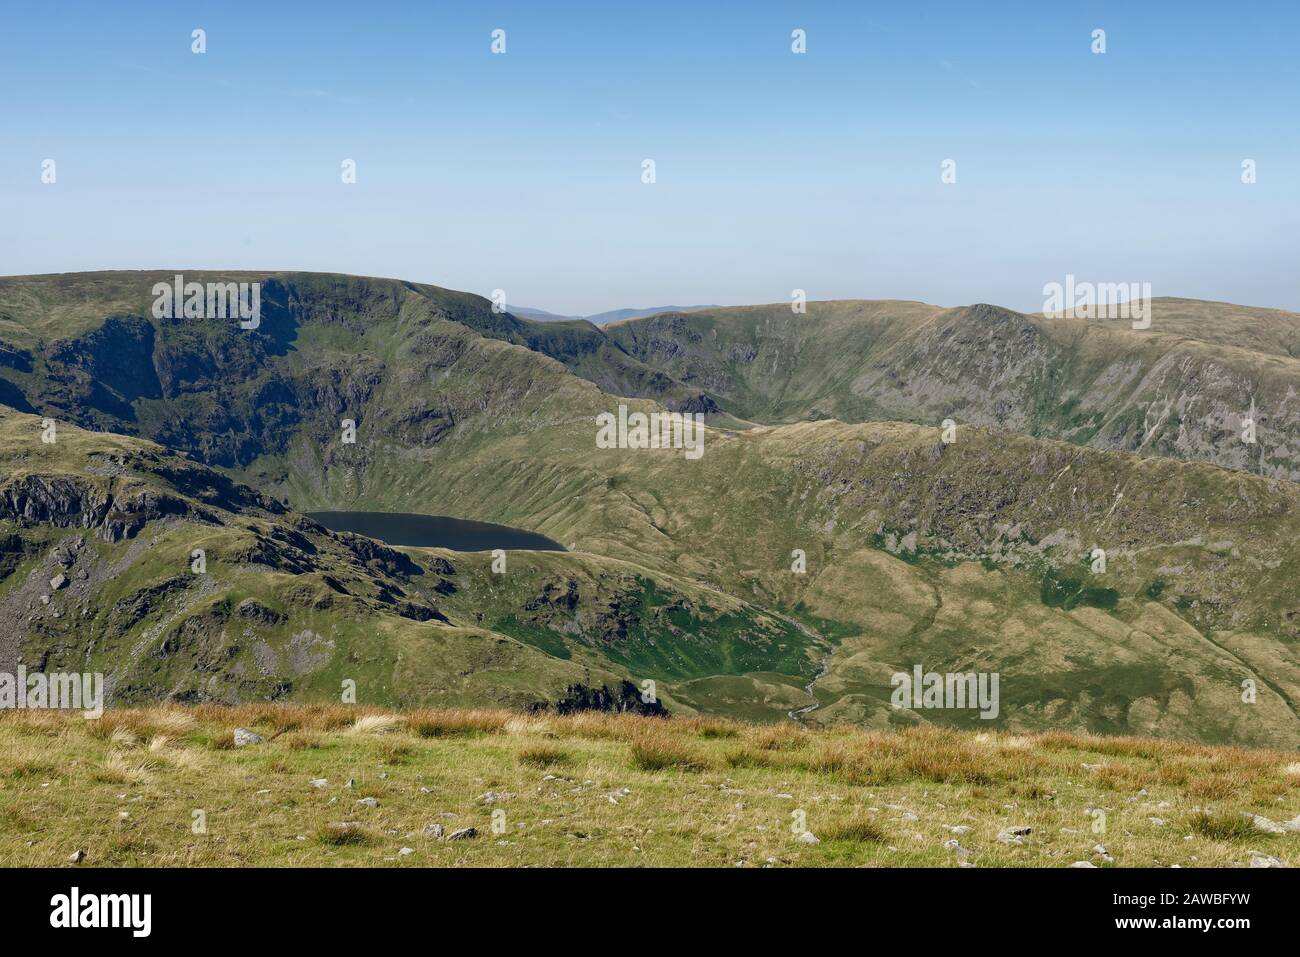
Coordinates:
(828, 539)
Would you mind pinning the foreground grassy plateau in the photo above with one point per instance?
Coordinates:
(337, 785)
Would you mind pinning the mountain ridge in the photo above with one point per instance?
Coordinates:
(601, 318)
(961, 554)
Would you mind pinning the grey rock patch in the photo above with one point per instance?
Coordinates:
(245, 737)
(1013, 835)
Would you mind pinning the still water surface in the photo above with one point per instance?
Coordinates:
(434, 531)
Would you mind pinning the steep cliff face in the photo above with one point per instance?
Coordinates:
(65, 502)
(229, 396)
(120, 555)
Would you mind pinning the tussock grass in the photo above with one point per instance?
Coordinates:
(397, 753)
(1223, 826)
(440, 724)
(661, 753)
(1116, 747)
(29, 769)
(859, 827)
(1124, 777)
(601, 727)
(304, 740)
(344, 834)
(1216, 787)
(375, 724)
(597, 789)
(778, 737)
(219, 740)
(851, 762)
(130, 725)
(543, 756)
(123, 738)
(711, 728)
(747, 757)
(118, 768)
(529, 724)
(32, 720)
(930, 754)
(173, 720)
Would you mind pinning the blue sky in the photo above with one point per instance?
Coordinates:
(774, 171)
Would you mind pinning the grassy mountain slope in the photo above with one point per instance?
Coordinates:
(960, 557)
(99, 535)
(965, 556)
(1181, 388)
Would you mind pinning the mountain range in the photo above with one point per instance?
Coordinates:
(947, 475)
(601, 318)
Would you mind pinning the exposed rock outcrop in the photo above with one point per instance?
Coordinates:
(625, 699)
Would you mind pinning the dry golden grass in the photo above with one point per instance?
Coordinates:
(860, 826)
(601, 727)
(612, 790)
(304, 740)
(660, 752)
(118, 768)
(376, 724)
(710, 728)
(777, 737)
(543, 756)
(437, 724)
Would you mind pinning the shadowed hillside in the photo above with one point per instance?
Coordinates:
(1181, 388)
(974, 552)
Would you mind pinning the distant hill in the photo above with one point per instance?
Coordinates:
(617, 315)
(540, 315)
(792, 571)
(1182, 388)
(600, 318)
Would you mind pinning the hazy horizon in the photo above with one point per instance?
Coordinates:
(774, 170)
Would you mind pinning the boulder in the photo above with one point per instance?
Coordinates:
(245, 737)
